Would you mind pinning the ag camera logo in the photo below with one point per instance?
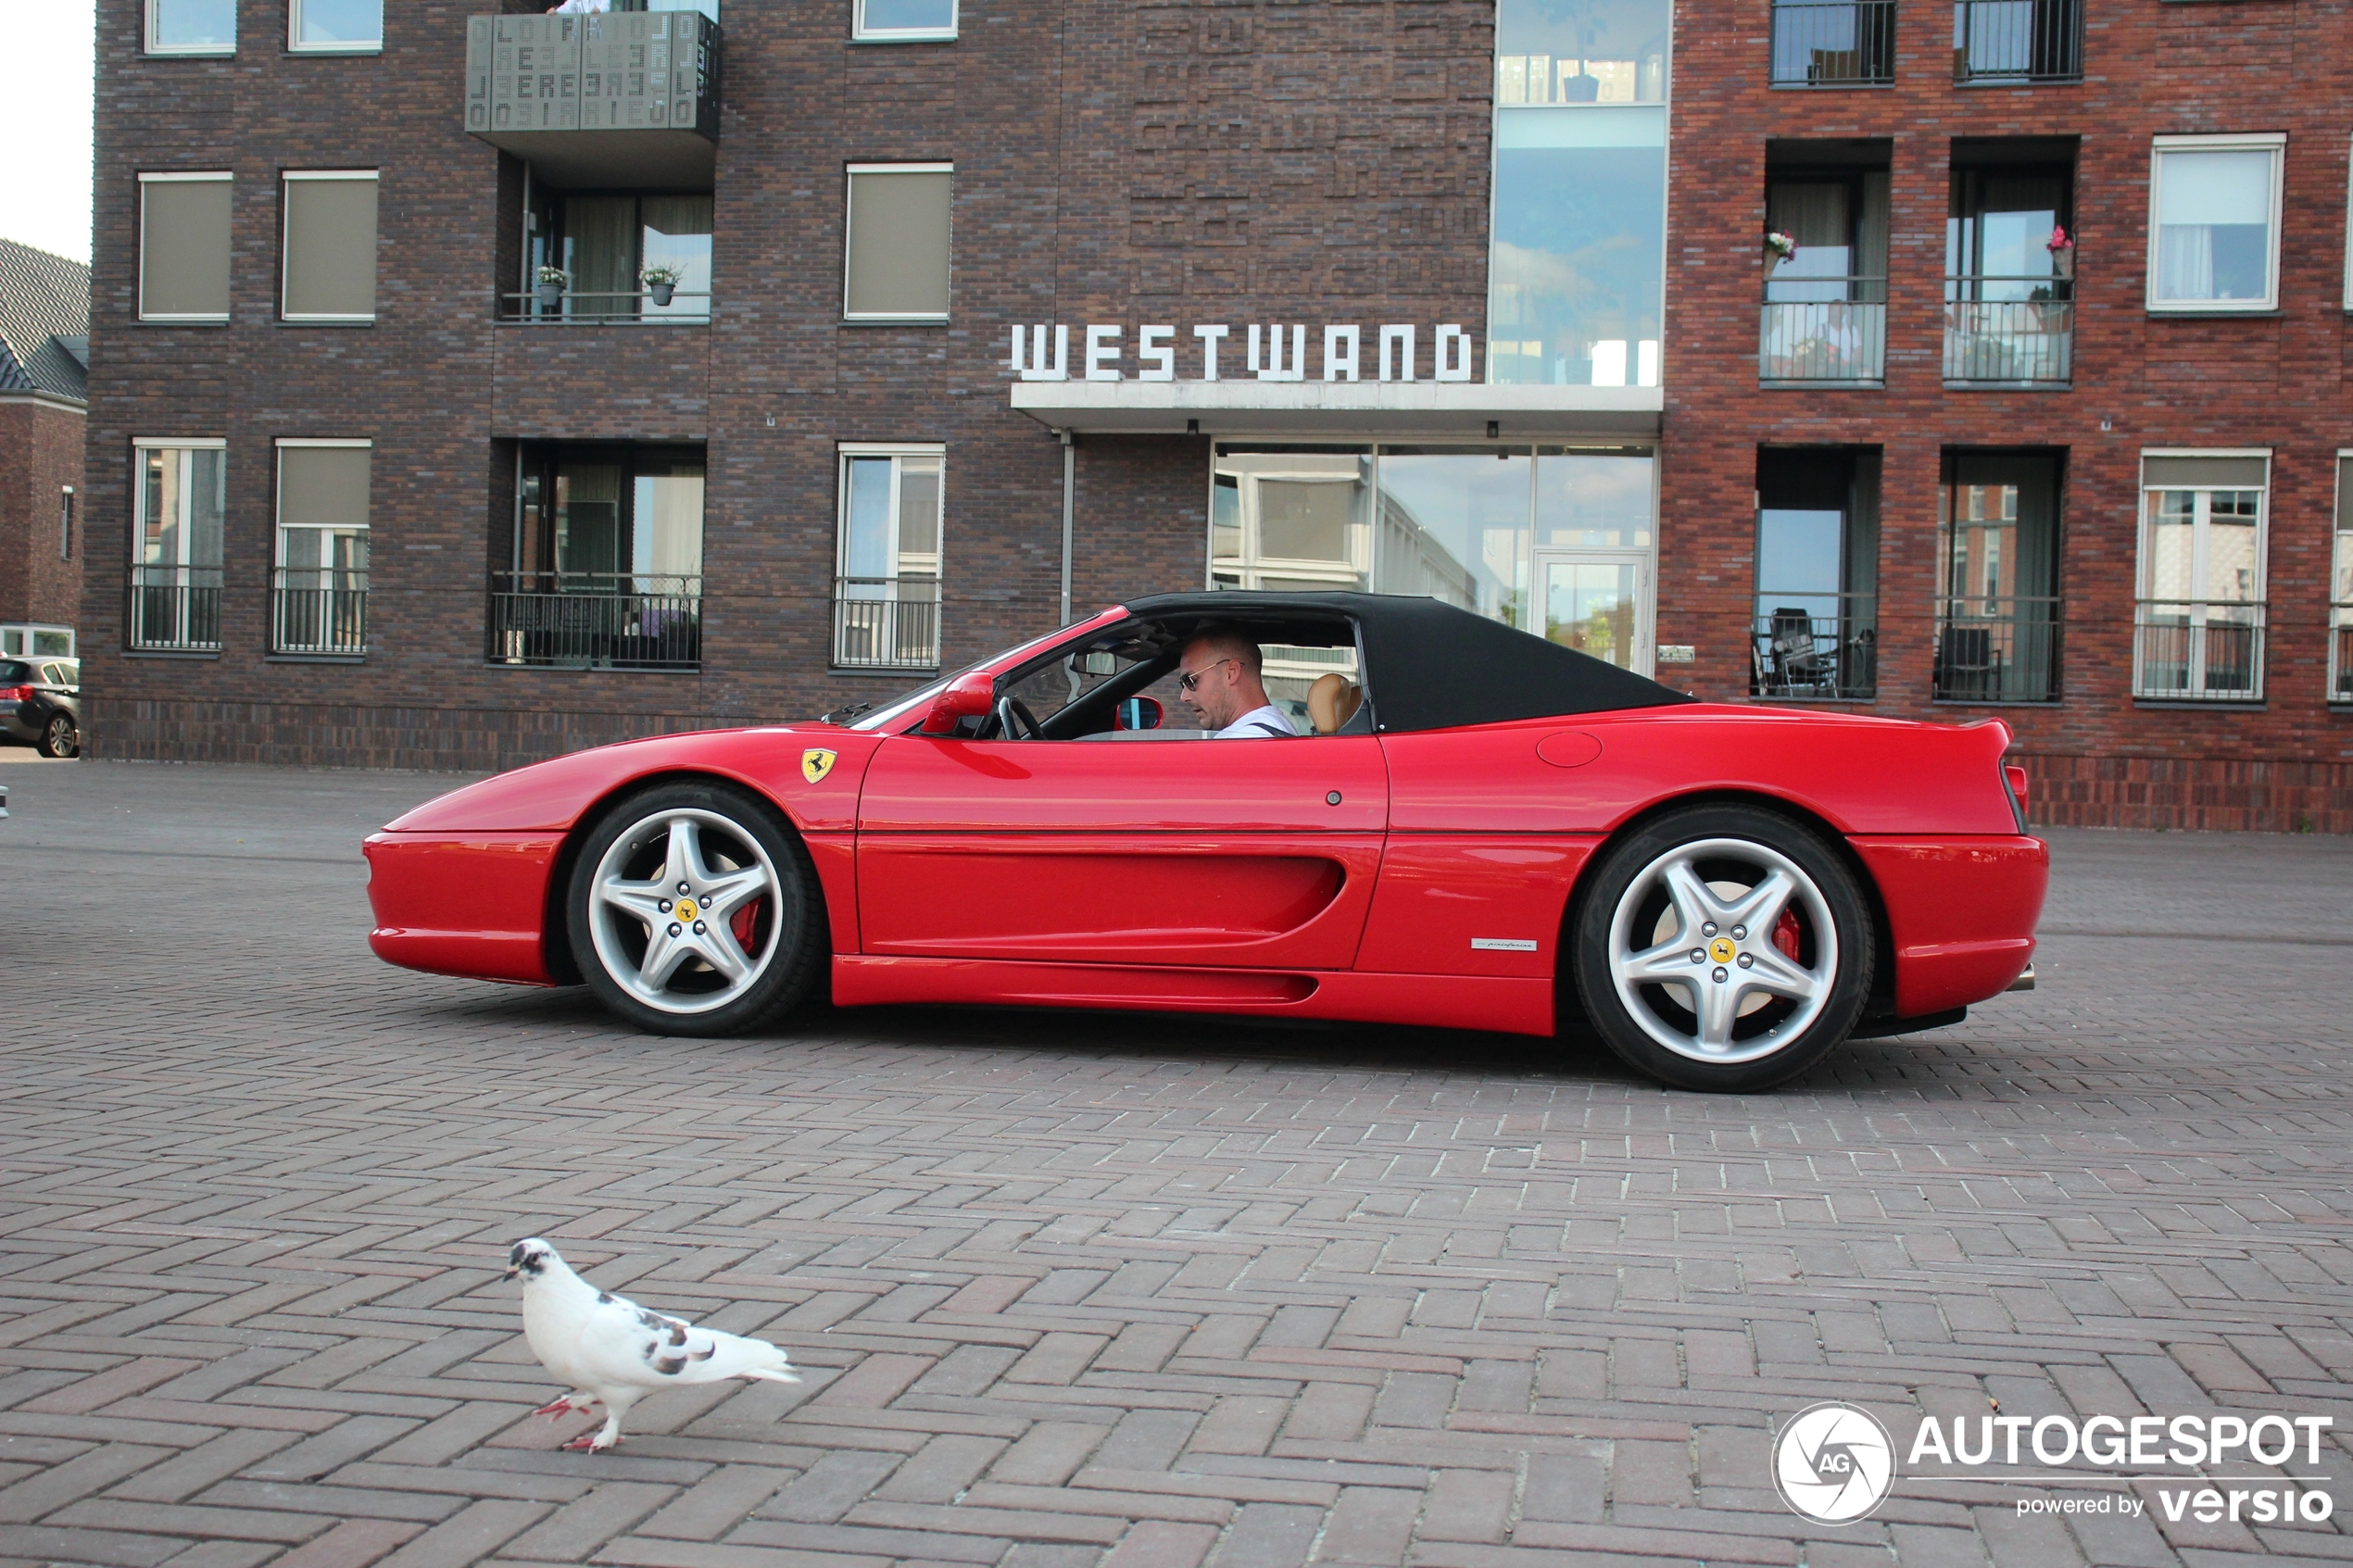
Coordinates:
(1833, 1463)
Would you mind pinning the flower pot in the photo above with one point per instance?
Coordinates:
(661, 292)
(550, 295)
(1773, 260)
(2063, 263)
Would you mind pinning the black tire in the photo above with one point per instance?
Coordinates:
(1735, 1021)
(61, 736)
(778, 932)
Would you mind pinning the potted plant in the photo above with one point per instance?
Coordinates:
(2062, 251)
(661, 283)
(550, 289)
(1780, 245)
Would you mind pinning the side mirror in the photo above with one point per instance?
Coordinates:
(1136, 713)
(967, 697)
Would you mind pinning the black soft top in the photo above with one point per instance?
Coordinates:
(1428, 666)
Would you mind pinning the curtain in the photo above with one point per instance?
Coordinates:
(600, 234)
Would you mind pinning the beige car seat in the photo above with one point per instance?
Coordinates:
(1332, 701)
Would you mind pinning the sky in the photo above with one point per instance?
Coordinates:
(45, 126)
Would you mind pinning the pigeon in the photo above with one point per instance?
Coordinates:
(614, 1352)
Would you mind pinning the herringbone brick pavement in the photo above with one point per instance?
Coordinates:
(1101, 1290)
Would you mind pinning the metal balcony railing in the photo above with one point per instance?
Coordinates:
(1997, 650)
(579, 308)
(1823, 340)
(596, 620)
(2341, 653)
(319, 612)
(2198, 652)
(1818, 645)
(2017, 40)
(173, 608)
(2019, 341)
(1834, 42)
(887, 623)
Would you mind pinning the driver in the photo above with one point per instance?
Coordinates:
(1218, 677)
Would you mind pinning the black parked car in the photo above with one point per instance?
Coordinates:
(40, 704)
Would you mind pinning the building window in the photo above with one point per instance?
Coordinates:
(335, 27)
(904, 21)
(191, 27)
(2214, 223)
(606, 565)
(331, 247)
(1576, 264)
(1816, 633)
(1834, 42)
(1997, 608)
(2198, 634)
(319, 595)
(606, 246)
(886, 580)
(65, 523)
(896, 257)
(182, 493)
(2341, 587)
(2009, 284)
(1825, 310)
(2017, 40)
(183, 247)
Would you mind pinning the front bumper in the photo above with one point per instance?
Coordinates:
(471, 904)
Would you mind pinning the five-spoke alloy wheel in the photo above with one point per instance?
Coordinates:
(692, 911)
(1722, 948)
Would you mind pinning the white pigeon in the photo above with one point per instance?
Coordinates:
(614, 1352)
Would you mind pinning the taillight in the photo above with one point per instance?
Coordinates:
(16, 694)
(2017, 777)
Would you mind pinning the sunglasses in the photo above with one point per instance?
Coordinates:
(1186, 683)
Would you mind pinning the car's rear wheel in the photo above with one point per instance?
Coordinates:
(693, 909)
(60, 736)
(1722, 948)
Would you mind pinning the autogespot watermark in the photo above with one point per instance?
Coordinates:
(1835, 1464)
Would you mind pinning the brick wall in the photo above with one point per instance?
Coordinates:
(40, 453)
(2275, 381)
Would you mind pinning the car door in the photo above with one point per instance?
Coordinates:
(1258, 853)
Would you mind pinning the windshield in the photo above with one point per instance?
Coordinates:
(891, 715)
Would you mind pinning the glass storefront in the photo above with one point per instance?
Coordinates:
(1578, 247)
(1554, 539)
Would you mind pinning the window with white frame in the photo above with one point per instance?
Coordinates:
(2214, 223)
(895, 258)
(903, 21)
(184, 248)
(886, 583)
(335, 27)
(2200, 626)
(2341, 587)
(191, 27)
(330, 247)
(319, 592)
(180, 501)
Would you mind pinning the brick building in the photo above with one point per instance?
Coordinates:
(45, 354)
(472, 386)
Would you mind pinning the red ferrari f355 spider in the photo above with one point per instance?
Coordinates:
(1484, 830)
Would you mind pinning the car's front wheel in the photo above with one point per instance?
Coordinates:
(1722, 948)
(693, 909)
(60, 736)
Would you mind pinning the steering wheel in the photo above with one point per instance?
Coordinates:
(1013, 718)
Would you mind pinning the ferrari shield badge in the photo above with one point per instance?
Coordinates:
(815, 764)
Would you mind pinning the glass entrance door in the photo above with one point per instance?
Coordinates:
(1599, 605)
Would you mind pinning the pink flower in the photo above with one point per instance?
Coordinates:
(2058, 241)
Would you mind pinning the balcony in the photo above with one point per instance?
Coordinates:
(1825, 649)
(2011, 41)
(596, 620)
(887, 623)
(173, 609)
(578, 307)
(1838, 342)
(1997, 650)
(319, 614)
(2192, 652)
(2016, 342)
(1834, 43)
(605, 99)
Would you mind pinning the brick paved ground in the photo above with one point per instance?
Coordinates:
(1101, 1291)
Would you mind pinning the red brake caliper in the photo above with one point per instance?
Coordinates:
(1785, 935)
(746, 926)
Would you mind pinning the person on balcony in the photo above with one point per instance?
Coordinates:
(575, 6)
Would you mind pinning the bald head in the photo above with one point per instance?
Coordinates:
(1224, 668)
